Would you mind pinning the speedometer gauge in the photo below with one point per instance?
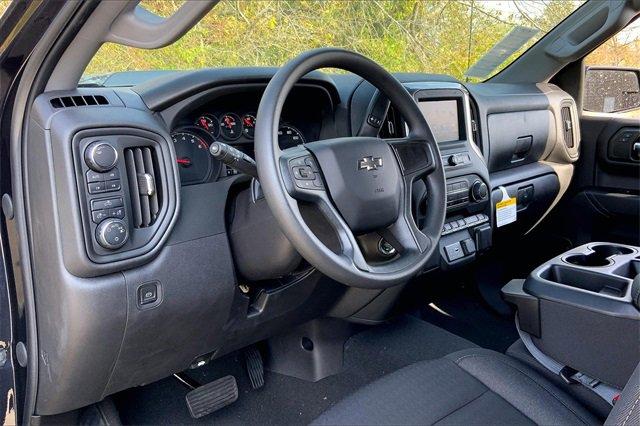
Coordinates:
(230, 126)
(289, 136)
(192, 154)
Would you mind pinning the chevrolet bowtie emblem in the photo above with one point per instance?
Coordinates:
(370, 163)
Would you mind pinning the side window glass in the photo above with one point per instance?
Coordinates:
(612, 75)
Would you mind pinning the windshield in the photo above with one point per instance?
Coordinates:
(446, 37)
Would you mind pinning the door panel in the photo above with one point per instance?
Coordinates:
(606, 204)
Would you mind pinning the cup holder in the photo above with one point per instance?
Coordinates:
(600, 256)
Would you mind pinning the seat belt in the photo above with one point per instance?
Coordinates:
(568, 374)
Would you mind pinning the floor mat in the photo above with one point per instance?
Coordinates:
(287, 400)
(461, 310)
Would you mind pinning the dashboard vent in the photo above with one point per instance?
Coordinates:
(144, 186)
(475, 124)
(567, 126)
(78, 101)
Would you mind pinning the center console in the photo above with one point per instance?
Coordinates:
(467, 229)
(581, 308)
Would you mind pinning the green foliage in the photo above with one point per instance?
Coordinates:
(439, 36)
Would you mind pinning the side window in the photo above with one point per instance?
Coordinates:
(612, 75)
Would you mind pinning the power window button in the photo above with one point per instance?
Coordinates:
(147, 294)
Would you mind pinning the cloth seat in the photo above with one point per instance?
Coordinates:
(470, 387)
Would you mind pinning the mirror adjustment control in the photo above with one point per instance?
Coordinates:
(100, 156)
(112, 234)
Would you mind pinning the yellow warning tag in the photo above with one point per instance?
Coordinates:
(506, 203)
(506, 209)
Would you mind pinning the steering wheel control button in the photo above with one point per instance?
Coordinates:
(309, 162)
(112, 234)
(305, 173)
(147, 294)
(100, 156)
(454, 252)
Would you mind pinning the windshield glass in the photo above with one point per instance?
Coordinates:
(447, 37)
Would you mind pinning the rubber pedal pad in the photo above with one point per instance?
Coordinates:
(255, 367)
(211, 397)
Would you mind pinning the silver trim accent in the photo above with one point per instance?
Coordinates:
(89, 157)
(433, 85)
(146, 184)
(100, 234)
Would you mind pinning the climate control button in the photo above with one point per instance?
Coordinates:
(112, 234)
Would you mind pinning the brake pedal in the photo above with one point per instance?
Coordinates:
(211, 397)
(255, 367)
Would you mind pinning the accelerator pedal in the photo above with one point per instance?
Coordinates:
(255, 367)
(211, 397)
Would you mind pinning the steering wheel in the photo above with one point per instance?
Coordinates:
(359, 184)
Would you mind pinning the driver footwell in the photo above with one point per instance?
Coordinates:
(287, 400)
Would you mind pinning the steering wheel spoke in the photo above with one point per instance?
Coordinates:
(416, 157)
(350, 250)
(304, 182)
(404, 234)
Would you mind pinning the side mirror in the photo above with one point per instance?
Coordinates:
(610, 89)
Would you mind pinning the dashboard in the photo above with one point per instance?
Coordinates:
(180, 224)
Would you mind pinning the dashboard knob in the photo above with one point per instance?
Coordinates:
(479, 191)
(112, 234)
(453, 160)
(100, 156)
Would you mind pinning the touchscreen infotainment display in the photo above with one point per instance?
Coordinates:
(442, 117)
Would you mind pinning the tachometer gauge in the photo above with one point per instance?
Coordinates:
(248, 125)
(289, 136)
(209, 122)
(230, 126)
(192, 154)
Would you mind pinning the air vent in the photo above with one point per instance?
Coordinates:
(78, 101)
(144, 185)
(475, 124)
(567, 126)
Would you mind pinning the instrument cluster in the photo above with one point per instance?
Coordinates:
(230, 127)
(192, 141)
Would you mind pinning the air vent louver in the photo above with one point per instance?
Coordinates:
(78, 101)
(144, 185)
(567, 126)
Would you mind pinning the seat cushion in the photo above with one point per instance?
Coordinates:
(474, 386)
